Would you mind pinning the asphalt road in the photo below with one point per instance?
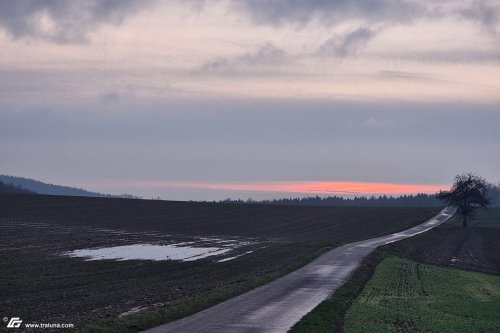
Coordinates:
(278, 305)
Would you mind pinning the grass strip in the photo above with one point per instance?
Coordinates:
(407, 296)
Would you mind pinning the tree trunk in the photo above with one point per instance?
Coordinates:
(464, 221)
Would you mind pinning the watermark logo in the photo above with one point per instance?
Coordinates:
(14, 322)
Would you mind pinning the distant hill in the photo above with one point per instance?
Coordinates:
(9, 188)
(27, 185)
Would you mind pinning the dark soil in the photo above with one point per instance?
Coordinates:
(473, 249)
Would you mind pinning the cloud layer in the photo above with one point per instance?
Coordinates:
(62, 21)
(278, 12)
(347, 44)
(266, 55)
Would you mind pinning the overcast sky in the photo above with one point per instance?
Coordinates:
(250, 98)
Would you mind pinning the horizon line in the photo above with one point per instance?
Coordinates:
(298, 187)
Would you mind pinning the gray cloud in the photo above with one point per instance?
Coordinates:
(62, 21)
(464, 56)
(402, 75)
(278, 12)
(110, 97)
(348, 44)
(266, 55)
(485, 13)
(386, 12)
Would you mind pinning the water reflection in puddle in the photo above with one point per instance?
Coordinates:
(149, 252)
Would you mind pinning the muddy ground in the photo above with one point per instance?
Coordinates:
(476, 248)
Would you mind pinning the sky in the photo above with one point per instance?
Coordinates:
(205, 100)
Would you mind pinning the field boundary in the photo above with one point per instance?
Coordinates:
(329, 315)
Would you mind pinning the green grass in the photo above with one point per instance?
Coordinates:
(485, 218)
(406, 296)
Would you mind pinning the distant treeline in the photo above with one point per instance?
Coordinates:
(417, 200)
(27, 185)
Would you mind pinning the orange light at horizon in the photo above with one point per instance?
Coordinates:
(305, 187)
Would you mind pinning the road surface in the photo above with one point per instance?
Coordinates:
(278, 305)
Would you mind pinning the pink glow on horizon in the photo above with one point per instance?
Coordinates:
(306, 187)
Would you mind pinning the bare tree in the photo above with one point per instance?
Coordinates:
(468, 193)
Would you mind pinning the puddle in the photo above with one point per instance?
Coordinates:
(149, 252)
(231, 258)
(132, 311)
(122, 245)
